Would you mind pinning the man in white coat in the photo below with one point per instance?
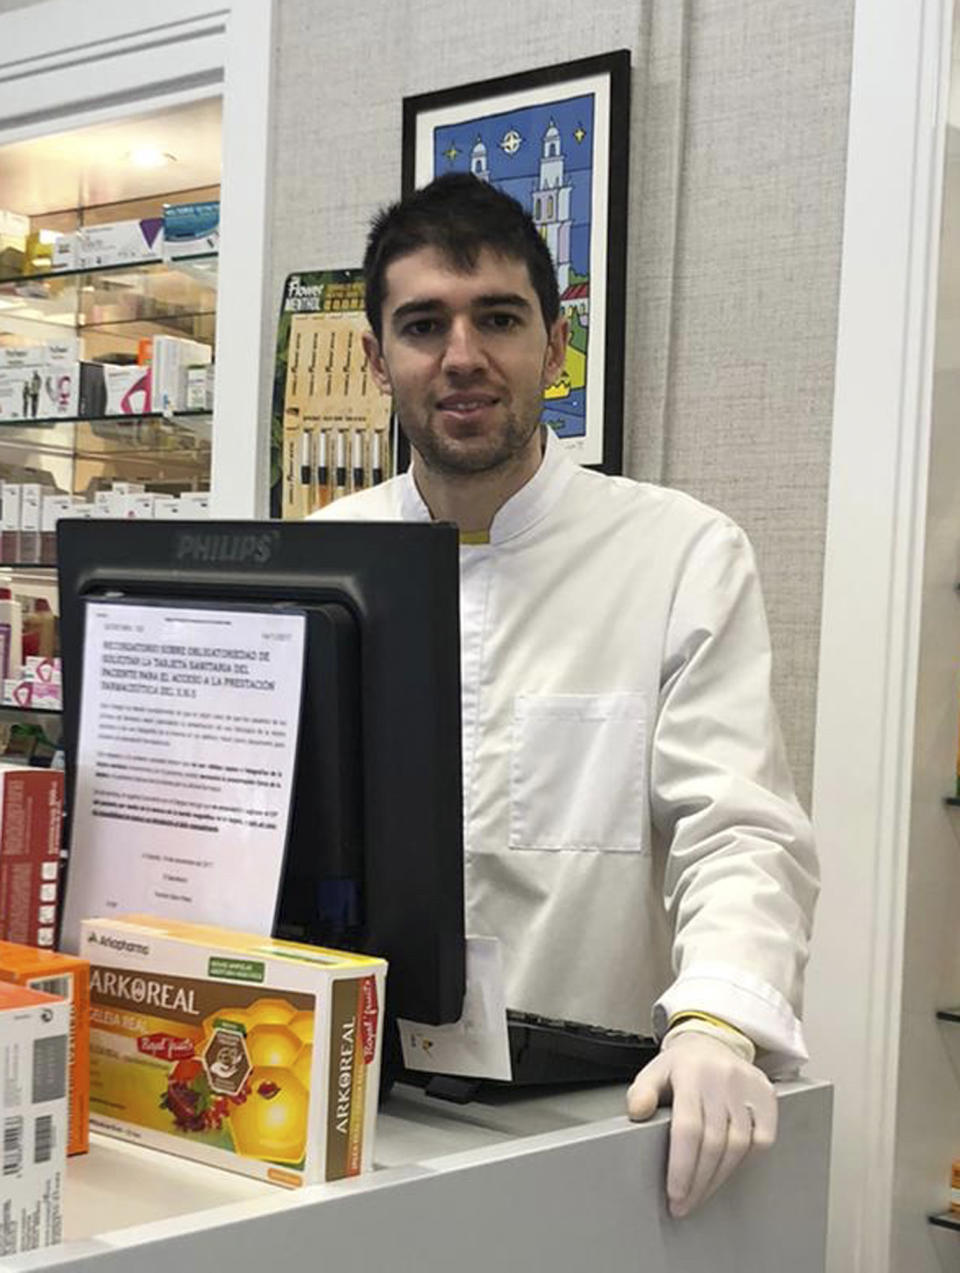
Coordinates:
(631, 833)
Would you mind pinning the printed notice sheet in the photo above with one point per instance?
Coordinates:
(188, 736)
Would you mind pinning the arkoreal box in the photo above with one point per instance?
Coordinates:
(257, 1055)
(34, 1051)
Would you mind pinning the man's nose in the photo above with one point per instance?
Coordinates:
(463, 352)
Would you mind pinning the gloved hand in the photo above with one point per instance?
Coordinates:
(722, 1108)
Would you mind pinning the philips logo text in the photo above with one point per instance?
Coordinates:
(226, 550)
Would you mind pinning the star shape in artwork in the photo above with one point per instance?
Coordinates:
(579, 133)
(451, 152)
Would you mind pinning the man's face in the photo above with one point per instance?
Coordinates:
(467, 358)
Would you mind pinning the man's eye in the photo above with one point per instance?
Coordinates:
(421, 327)
(502, 322)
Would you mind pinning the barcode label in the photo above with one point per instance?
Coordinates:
(12, 1145)
(49, 1068)
(43, 1138)
(60, 986)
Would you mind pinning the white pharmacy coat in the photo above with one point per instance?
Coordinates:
(631, 832)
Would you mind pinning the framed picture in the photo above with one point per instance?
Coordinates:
(557, 139)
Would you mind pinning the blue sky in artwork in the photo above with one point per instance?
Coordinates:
(514, 141)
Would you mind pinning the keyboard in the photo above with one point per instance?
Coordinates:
(546, 1052)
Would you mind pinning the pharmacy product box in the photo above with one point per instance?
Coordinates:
(34, 1051)
(114, 389)
(65, 252)
(10, 520)
(195, 504)
(255, 1055)
(31, 814)
(14, 229)
(53, 509)
(191, 229)
(119, 242)
(68, 978)
(31, 497)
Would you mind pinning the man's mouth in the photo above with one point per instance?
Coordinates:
(466, 405)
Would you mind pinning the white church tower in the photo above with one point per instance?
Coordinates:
(478, 160)
(551, 205)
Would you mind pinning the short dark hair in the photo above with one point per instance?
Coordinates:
(459, 215)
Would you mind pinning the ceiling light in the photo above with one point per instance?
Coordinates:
(150, 157)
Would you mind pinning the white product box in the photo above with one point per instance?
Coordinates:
(53, 508)
(195, 504)
(127, 488)
(21, 393)
(27, 692)
(139, 507)
(34, 1052)
(128, 389)
(38, 668)
(119, 242)
(16, 357)
(195, 389)
(14, 225)
(109, 504)
(65, 254)
(170, 510)
(171, 355)
(31, 495)
(243, 1052)
(62, 352)
(40, 392)
(10, 493)
(60, 393)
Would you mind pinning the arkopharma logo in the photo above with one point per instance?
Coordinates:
(209, 549)
(117, 943)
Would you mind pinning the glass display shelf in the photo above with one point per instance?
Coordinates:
(126, 418)
(946, 1220)
(45, 275)
(154, 295)
(30, 711)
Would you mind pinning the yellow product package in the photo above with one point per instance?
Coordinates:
(244, 1052)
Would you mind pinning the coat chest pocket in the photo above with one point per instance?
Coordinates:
(578, 772)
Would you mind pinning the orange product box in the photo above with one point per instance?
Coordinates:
(31, 818)
(249, 1053)
(68, 977)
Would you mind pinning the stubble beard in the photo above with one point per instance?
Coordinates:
(449, 456)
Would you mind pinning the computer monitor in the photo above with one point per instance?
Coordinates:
(374, 858)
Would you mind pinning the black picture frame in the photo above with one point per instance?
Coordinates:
(503, 116)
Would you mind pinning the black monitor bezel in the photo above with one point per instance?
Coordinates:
(400, 580)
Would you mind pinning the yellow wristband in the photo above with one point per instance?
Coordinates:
(705, 1016)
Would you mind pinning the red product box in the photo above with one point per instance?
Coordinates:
(31, 817)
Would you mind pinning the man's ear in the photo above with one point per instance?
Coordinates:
(375, 360)
(556, 353)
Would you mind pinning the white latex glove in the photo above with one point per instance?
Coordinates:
(723, 1107)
